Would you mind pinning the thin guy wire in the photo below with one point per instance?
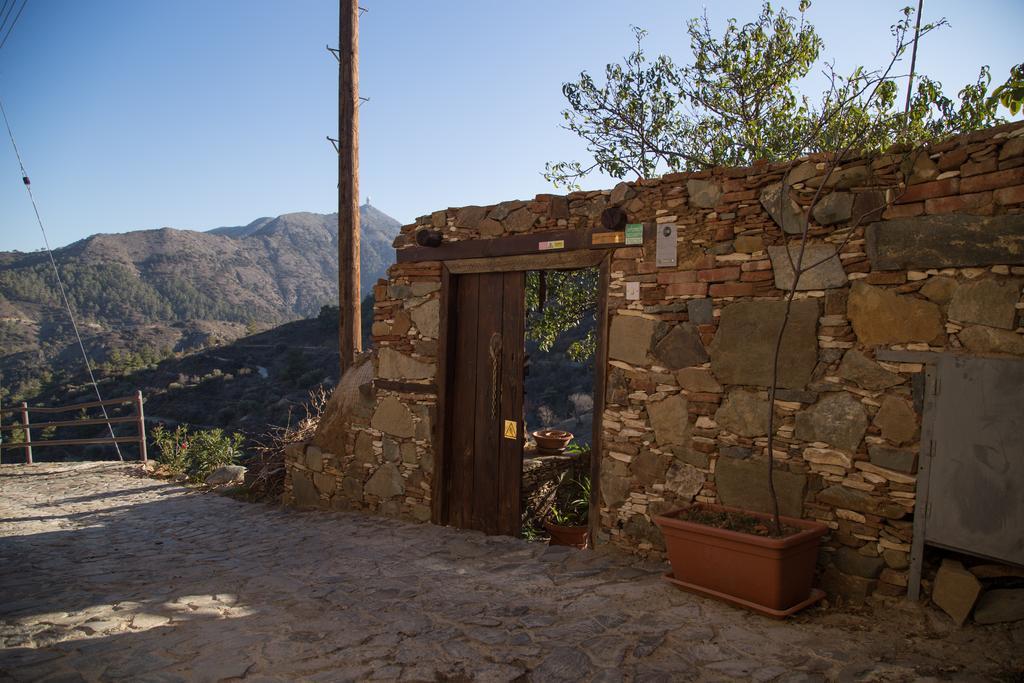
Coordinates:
(6, 12)
(13, 23)
(60, 283)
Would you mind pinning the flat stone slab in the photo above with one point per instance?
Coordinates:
(744, 346)
(107, 574)
(950, 241)
(825, 269)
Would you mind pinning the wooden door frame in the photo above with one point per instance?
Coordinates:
(568, 260)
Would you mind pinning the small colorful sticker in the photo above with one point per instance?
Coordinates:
(510, 429)
(553, 244)
(635, 234)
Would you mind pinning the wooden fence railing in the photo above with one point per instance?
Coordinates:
(25, 426)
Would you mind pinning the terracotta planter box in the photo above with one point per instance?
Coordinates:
(574, 536)
(773, 576)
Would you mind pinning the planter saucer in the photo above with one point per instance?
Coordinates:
(815, 596)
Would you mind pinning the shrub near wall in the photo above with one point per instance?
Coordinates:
(935, 263)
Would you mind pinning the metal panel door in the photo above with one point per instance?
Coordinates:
(485, 403)
(976, 484)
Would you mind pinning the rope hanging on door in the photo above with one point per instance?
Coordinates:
(495, 351)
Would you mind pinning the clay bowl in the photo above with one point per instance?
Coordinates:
(552, 439)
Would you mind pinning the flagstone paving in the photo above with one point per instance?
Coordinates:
(106, 574)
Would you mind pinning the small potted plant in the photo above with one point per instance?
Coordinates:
(552, 441)
(567, 521)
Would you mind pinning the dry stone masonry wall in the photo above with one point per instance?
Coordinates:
(916, 250)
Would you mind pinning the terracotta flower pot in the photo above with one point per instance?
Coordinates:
(772, 576)
(575, 536)
(552, 439)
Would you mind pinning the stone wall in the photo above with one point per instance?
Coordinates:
(918, 250)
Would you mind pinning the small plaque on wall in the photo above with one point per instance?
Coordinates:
(665, 253)
(607, 238)
(632, 291)
(634, 234)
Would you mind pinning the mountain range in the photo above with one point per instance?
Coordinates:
(148, 294)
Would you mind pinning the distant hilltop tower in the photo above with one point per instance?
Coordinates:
(367, 200)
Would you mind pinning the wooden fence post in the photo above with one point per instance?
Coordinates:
(28, 433)
(142, 425)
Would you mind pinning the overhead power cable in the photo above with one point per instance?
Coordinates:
(13, 23)
(5, 12)
(60, 283)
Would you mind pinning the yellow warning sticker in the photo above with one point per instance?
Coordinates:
(510, 429)
(553, 244)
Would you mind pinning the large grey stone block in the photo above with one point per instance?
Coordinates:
(630, 338)
(303, 490)
(426, 317)
(981, 339)
(680, 348)
(950, 241)
(880, 316)
(669, 420)
(1000, 605)
(866, 373)
(744, 345)
(704, 194)
(845, 498)
(394, 365)
(955, 590)
(838, 419)
(827, 274)
(786, 213)
(385, 483)
(743, 413)
(393, 417)
(744, 484)
(986, 302)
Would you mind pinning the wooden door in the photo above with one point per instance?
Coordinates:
(484, 403)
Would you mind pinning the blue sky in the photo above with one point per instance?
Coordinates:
(195, 114)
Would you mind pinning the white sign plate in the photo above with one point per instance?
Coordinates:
(632, 291)
(665, 253)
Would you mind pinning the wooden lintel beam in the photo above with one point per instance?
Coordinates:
(405, 387)
(515, 245)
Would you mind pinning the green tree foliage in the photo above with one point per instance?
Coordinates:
(121, 363)
(566, 300)
(195, 454)
(1011, 93)
(739, 101)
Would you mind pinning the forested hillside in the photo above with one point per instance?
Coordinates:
(146, 295)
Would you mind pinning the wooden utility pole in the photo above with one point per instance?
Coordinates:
(349, 329)
(913, 57)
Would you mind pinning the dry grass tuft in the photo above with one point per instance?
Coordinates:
(266, 480)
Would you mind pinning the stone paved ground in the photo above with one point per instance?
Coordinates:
(108, 575)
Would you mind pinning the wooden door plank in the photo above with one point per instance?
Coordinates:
(600, 373)
(439, 483)
(510, 472)
(460, 417)
(485, 459)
